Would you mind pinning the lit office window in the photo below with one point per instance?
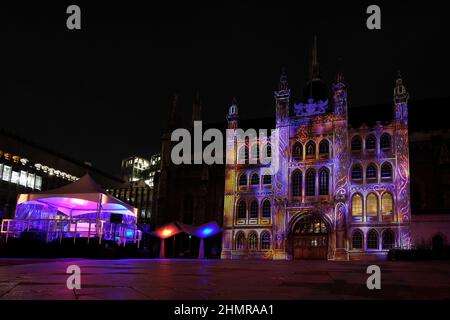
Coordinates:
(6, 173)
(30, 180)
(38, 183)
(23, 178)
(15, 177)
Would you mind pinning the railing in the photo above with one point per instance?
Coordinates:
(57, 229)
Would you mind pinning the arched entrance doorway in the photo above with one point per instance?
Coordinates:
(310, 237)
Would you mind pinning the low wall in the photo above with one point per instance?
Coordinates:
(425, 226)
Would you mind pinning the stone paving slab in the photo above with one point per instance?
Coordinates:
(221, 279)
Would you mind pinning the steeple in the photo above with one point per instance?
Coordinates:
(197, 108)
(314, 65)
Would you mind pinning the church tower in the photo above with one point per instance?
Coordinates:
(400, 99)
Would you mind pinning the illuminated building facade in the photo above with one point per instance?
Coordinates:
(339, 192)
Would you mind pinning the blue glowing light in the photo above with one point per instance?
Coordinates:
(129, 233)
(207, 231)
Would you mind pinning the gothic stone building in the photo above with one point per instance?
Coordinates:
(339, 192)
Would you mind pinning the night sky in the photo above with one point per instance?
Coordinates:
(102, 93)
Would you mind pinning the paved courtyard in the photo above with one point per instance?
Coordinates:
(216, 279)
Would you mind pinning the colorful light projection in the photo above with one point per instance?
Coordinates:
(204, 231)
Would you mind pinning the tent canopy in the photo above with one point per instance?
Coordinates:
(80, 197)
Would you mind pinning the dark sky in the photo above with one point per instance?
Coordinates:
(102, 93)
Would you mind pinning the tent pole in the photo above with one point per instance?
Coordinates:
(162, 254)
(201, 250)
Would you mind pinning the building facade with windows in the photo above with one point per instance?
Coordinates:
(331, 191)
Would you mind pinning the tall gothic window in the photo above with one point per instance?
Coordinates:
(357, 240)
(386, 171)
(372, 239)
(324, 181)
(372, 204)
(255, 179)
(242, 210)
(296, 183)
(243, 180)
(387, 203)
(297, 151)
(356, 144)
(265, 240)
(243, 155)
(266, 209)
(324, 148)
(254, 209)
(371, 172)
(357, 205)
(253, 241)
(310, 183)
(310, 150)
(255, 153)
(267, 179)
(371, 142)
(385, 141)
(240, 241)
(356, 172)
(388, 241)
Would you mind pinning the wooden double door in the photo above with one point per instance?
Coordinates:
(310, 237)
(311, 247)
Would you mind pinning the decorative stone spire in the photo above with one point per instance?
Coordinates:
(173, 116)
(340, 93)
(233, 116)
(400, 93)
(282, 97)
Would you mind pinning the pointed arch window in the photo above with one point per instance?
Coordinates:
(310, 183)
(371, 143)
(386, 171)
(255, 179)
(385, 141)
(387, 203)
(243, 180)
(388, 241)
(265, 240)
(267, 179)
(372, 240)
(296, 183)
(356, 172)
(266, 209)
(356, 144)
(253, 241)
(310, 150)
(357, 240)
(357, 205)
(242, 210)
(324, 148)
(372, 204)
(324, 182)
(254, 209)
(255, 153)
(243, 157)
(297, 151)
(240, 241)
(371, 172)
